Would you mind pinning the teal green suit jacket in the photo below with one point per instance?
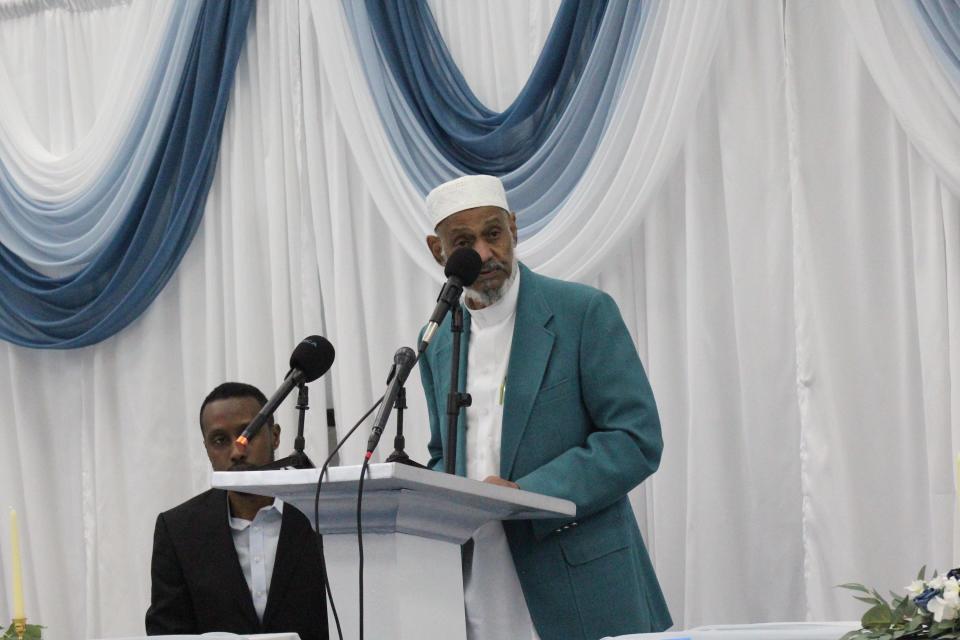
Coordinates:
(579, 423)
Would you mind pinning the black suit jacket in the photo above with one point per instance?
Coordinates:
(198, 585)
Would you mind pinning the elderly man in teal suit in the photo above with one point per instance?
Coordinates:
(561, 406)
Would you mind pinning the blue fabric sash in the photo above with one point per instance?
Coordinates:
(941, 19)
(542, 143)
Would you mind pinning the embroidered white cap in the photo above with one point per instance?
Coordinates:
(463, 193)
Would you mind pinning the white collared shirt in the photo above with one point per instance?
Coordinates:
(495, 607)
(256, 543)
(488, 355)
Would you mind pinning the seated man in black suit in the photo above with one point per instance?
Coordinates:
(229, 561)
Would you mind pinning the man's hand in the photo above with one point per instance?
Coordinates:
(501, 482)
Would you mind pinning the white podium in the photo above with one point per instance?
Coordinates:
(414, 522)
(217, 635)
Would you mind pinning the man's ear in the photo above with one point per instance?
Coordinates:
(436, 249)
(512, 217)
(275, 432)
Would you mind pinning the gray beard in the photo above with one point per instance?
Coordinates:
(492, 296)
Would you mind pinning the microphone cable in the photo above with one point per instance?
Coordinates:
(316, 519)
(364, 470)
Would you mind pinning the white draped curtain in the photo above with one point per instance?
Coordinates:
(788, 266)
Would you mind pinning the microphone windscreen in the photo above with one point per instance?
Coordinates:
(404, 356)
(313, 356)
(465, 264)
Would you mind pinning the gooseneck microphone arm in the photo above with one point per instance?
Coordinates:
(289, 384)
(449, 295)
(309, 360)
(461, 269)
(399, 442)
(455, 399)
(403, 362)
(298, 459)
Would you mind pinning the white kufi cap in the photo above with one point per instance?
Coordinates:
(463, 193)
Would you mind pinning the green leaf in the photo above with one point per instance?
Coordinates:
(32, 633)
(854, 587)
(915, 623)
(923, 570)
(937, 629)
(879, 597)
(868, 599)
(904, 609)
(878, 616)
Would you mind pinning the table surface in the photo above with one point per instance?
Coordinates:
(218, 635)
(764, 631)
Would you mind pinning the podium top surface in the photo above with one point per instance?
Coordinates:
(292, 485)
(217, 635)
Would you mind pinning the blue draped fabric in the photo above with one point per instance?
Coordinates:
(118, 285)
(942, 21)
(470, 135)
(542, 143)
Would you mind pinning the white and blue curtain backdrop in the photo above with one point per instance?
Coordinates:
(771, 191)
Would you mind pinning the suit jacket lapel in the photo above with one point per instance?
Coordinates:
(223, 554)
(529, 355)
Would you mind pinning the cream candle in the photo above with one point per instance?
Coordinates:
(18, 610)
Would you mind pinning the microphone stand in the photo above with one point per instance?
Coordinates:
(298, 459)
(399, 455)
(455, 399)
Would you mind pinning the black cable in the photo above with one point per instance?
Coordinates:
(363, 472)
(316, 512)
(326, 585)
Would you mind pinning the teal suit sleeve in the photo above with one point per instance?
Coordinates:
(435, 446)
(624, 443)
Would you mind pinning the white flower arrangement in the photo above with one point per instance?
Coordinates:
(930, 609)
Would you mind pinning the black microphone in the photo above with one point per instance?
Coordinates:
(462, 270)
(403, 361)
(310, 360)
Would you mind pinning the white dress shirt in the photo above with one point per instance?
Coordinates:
(495, 608)
(256, 544)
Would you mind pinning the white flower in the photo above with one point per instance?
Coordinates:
(915, 588)
(941, 609)
(937, 583)
(951, 591)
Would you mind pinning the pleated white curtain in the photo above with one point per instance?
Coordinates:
(96, 441)
(792, 290)
(110, 78)
(61, 132)
(922, 89)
